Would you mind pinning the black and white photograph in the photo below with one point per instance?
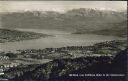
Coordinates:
(63, 41)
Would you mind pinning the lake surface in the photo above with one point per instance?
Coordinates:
(60, 39)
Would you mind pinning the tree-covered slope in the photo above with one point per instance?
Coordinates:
(62, 69)
(7, 35)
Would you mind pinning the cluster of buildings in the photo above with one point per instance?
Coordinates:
(108, 48)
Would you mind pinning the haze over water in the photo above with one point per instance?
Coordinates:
(60, 39)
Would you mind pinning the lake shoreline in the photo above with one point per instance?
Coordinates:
(8, 35)
(102, 53)
(56, 39)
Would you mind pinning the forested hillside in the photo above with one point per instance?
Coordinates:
(7, 35)
(62, 69)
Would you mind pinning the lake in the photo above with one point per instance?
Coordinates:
(60, 39)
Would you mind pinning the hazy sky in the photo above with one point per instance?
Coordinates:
(61, 6)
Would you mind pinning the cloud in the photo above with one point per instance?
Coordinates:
(11, 6)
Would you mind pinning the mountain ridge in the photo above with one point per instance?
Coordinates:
(73, 20)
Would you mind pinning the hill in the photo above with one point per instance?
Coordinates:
(62, 69)
(7, 35)
(118, 29)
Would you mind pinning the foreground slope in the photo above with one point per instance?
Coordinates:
(62, 69)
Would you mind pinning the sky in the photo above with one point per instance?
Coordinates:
(60, 6)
